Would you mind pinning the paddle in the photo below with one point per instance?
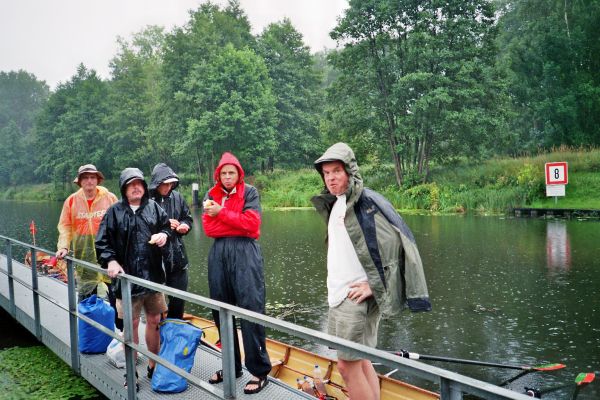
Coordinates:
(580, 380)
(417, 356)
(544, 367)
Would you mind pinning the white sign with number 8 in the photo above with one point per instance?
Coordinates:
(557, 173)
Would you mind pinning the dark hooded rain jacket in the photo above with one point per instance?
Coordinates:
(124, 234)
(175, 206)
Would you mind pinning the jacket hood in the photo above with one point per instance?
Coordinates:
(160, 173)
(129, 174)
(341, 152)
(228, 158)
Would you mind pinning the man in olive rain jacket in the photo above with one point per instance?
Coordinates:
(373, 265)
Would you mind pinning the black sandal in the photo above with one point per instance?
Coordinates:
(150, 371)
(260, 385)
(219, 379)
(137, 384)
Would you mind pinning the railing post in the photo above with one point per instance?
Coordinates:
(227, 351)
(130, 355)
(448, 391)
(11, 283)
(36, 296)
(75, 363)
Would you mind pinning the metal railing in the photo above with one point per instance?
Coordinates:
(452, 385)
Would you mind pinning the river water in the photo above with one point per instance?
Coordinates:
(506, 290)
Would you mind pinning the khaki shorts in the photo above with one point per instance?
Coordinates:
(152, 303)
(355, 322)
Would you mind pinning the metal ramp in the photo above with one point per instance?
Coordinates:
(97, 369)
(47, 308)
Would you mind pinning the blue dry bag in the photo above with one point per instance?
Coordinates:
(91, 340)
(178, 343)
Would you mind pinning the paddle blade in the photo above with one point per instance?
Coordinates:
(585, 378)
(548, 367)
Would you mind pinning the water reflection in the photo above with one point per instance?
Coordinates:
(558, 248)
(493, 297)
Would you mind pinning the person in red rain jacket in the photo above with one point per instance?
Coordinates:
(232, 216)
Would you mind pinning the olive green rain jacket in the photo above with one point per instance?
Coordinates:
(77, 228)
(383, 242)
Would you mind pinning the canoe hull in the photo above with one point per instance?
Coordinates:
(290, 363)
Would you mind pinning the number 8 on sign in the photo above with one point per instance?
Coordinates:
(557, 173)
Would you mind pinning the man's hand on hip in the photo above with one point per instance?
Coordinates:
(359, 292)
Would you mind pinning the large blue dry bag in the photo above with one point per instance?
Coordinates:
(178, 343)
(91, 340)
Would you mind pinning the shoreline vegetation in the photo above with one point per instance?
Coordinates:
(489, 187)
(36, 373)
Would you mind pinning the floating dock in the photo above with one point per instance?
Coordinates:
(555, 213)
(46, 307)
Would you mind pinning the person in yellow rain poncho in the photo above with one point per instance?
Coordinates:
(79, 221)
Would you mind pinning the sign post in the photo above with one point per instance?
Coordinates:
(557, 177)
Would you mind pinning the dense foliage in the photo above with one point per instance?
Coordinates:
(489, 186)
(549, 50)
(412, 84)
(22, 96)
(419, 77)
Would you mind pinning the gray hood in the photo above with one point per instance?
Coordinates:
(342, 152)
(160, 173)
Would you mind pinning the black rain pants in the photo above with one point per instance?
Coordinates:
(235, 276)
(177, 279)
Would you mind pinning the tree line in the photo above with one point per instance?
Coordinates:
(411, 84)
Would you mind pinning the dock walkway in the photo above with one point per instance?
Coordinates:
(47, 308)
(96, 368)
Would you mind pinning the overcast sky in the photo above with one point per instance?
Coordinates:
(49, 38)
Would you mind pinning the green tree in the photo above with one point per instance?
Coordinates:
(71, 129)
(15, 161)
(549, 49)
(22, 97)
(206, 34)
(296, 86)
(134, 100)
(234, 109)
(324, 68)
(417, 78)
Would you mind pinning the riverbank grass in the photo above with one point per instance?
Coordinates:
(490, 186)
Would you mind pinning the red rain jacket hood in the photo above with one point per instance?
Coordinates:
(228, 158)
(241, 213)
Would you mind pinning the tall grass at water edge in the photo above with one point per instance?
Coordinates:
(491, 186)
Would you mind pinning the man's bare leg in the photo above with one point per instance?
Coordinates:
(359, 384)
(372, 377)
(152, 336)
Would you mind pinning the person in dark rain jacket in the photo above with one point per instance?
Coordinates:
(232, 216)
(162, 190)
(128, 241)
